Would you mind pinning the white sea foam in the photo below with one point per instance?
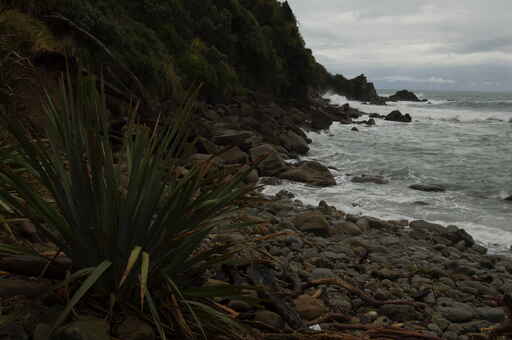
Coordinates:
(424, 110)
(466, 150)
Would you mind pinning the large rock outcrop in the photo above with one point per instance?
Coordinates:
(397, 116)
(404, 95)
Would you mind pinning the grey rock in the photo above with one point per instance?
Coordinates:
(312, 223)
(322, 273)
(450, 335)
(491, 314)
(427, 226)
(310, 172)
(341, 303)
(347, 228)
(399, 312)
(456, 235)
(458, 312)
(363, 224)
(234, 155)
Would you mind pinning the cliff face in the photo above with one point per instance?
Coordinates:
(357, 88)
(230, 46)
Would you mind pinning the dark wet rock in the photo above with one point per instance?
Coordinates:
(509, 198)
(87, 329)
(234, 156)
(135, 329)
(200, 158)
(386, 273)
(428, 187)
(354, 129)
(234, 137)
(370, 122)
(399, 312)
(321, 121)
(269, 318)
(479, 249)
(376, 115)
(312, 222)
(397, 116)
(293, 142)
(205, 146)
(376, 223)
(310, 172)
(457, 235)
(270, 163)
(357, 88)
(404, 95)
(369, 179)
(309, 308)
(284, 194)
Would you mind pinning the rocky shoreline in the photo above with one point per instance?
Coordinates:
(358, 274)
(318, 271)
(331, 271)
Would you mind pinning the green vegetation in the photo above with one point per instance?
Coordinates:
(230, 45)
(125, 220)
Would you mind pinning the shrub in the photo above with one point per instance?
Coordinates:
(133, 238)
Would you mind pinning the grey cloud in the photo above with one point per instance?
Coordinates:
(463, 41)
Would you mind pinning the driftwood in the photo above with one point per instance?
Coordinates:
(262, 276)
(394, 333)
(312, 336)
(371, 300)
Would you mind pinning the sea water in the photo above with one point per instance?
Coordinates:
(460, 140)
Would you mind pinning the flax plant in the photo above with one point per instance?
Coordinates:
(130, 239)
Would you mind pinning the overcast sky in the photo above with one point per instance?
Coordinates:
(415, 44)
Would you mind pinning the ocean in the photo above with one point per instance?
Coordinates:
(460, 140)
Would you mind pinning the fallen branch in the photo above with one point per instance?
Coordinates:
(311, 336)
(329, 317)
(398, 333)
(355, 290)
